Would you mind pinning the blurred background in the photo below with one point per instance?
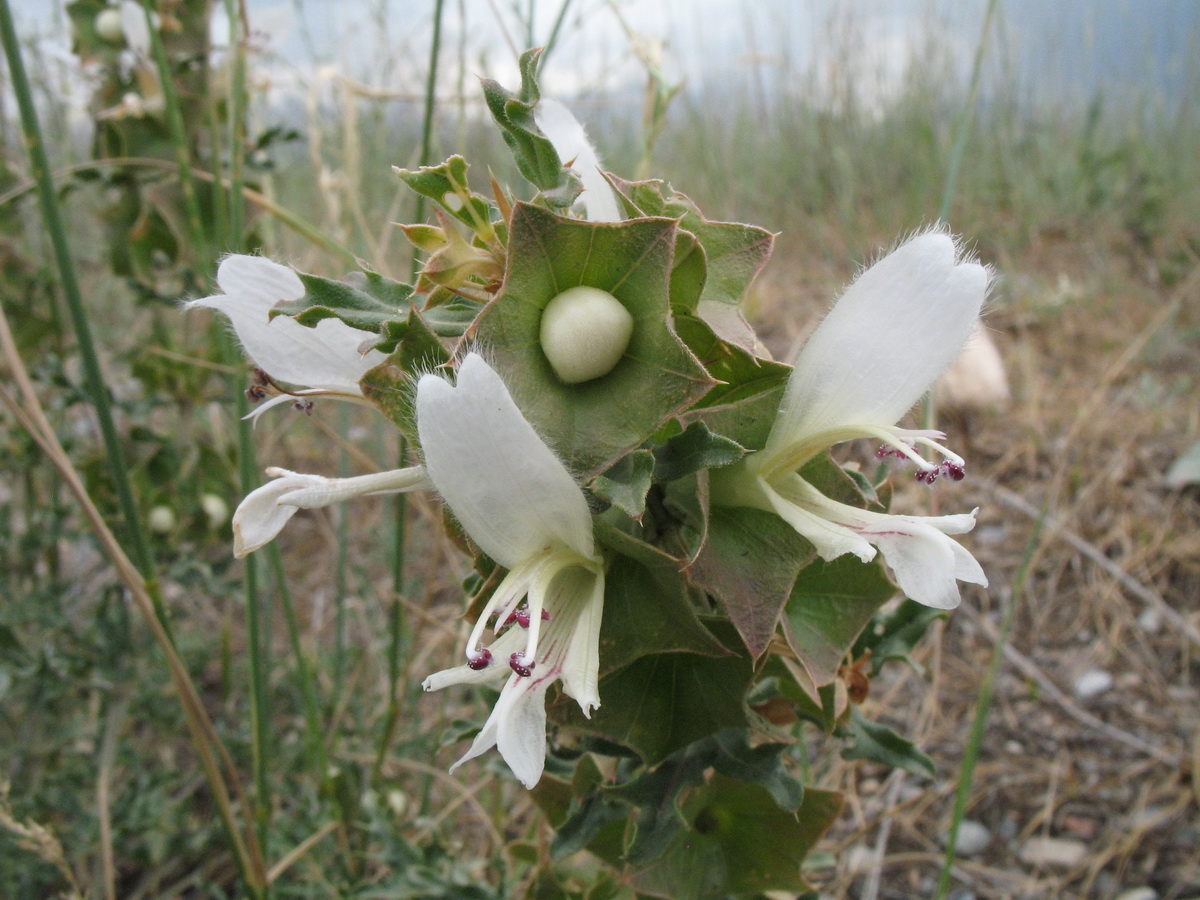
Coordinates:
(1060, 139)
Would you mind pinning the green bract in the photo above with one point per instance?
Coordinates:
(591, 424)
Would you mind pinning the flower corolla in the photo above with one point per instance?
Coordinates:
(892, 333)
(520, 505)
(327, 359)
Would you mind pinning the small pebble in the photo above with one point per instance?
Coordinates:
(1150, 622)
(1015, 747)
(1138, 893)
(859, 858)
(1092, 683)
(1056, 852)
(973, 838)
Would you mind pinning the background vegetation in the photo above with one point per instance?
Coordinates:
(1087, 774)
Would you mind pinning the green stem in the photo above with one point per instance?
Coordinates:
(175, 124)
(304, 672)
(258, 625)
(94, 385)
(257, 633)
(554, 32)
(929, 409)
(982, 708)
(397, 633)
(964, 118)
(427, 117)
(238, 27)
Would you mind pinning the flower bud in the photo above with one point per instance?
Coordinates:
(584, 333)
(215, 509)
(161, 520)
(108, 25)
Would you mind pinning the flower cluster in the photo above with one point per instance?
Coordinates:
(594, 425)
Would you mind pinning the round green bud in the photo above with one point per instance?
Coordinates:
(161, 519)
(108, 25)
(584, 333)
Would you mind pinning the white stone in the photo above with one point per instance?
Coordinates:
(1150, 621)
(1092, 683)
(1138, 893)
(1054, 852)
(973, 838)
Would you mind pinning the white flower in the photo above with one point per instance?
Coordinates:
(326, 358)
(524, 510)
(577, 153)
(893, 332)
(265, 510)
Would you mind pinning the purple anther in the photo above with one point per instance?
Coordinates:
(260, 377)
(545, 615)
(256, 392)
(517, 661)
(956, 471)
(927, 476)
(522, 617)
(479, 659)
(305, 406)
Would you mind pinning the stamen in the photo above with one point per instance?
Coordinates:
(479, 659)
(520, 615)
(256, 392)
(519, 664)
(955, 471)
(305, 406)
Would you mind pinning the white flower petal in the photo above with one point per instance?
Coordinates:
(581, 658)
(791, 498)
(521, 738)
(517, 727)
(924, 562)
(326, 356)
(893, 332)
(136, 28)
(260, 517)
(574, 149)
(265, 510)
(507, 488)
(322, 491)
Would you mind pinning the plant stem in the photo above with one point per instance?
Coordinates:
(94, 385)
(257, 634)
(929, 408)
(982, 708)
(397, 634)
(964, 119)
(304, 672)
(238, 27)
(191, 203)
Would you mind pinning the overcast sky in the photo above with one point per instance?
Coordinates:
(1053, 50)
